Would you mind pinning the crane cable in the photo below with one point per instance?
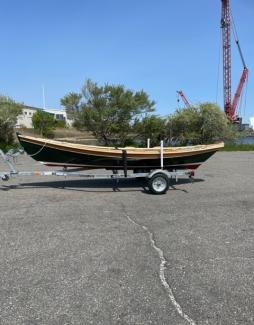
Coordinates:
(178, 100)
(234, 27)
(218, 71)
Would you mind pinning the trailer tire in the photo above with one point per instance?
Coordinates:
(5, 178)
(158, 183)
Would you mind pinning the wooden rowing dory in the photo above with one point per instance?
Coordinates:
(56, 153)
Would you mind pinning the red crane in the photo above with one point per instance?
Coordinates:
(185, 100)
(230, 107)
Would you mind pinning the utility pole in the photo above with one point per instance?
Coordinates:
(43, 98)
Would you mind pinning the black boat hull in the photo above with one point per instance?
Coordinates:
(61, 157)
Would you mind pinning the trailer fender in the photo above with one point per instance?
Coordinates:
(156, 171)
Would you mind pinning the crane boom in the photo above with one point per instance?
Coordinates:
(185, 100)
(238, 93)
(230, 107)
(226, 36)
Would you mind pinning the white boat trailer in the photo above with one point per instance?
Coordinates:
(158, 180)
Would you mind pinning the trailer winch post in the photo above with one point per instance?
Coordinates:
(162, 154)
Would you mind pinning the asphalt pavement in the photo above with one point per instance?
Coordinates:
(76, 251)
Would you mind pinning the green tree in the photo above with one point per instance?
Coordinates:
(215, 124)
(152, 127)
(44, 122)
(60, 124)
(71, 102)
(9, 110)
(204, 123)
(108, 111)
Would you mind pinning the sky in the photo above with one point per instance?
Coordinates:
(159, 46)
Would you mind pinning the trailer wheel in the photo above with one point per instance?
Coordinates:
(158, 183)
(5, 178)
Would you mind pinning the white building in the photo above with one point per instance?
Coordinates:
(25, 119)
(60, 115)
(252, 122)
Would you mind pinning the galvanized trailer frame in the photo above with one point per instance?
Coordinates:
(157, 180)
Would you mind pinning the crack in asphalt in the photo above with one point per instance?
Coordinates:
(163, 267)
